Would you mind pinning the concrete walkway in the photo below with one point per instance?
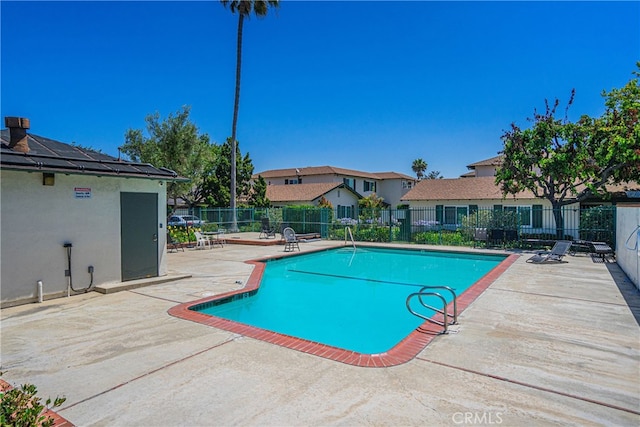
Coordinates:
(544, 345)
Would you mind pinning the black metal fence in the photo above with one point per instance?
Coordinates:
(507, 226)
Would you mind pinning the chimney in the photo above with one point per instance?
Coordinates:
(17, 133)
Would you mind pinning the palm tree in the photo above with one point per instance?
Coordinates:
(419, 166)
(244, 9)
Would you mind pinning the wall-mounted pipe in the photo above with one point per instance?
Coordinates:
(40, 295)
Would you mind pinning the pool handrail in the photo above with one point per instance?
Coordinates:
(348, 229)
(454, 299)
(444, 323)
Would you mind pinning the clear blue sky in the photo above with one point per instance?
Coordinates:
(361, 85)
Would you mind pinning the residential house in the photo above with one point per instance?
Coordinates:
(74, 218)
(341, 196)
(391, 186)
(448, 201)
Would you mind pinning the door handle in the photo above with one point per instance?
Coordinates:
(155, 237)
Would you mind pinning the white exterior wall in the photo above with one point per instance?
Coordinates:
(485, 171)
(311, 179)
(627, 241)
(391, 191)
(340, 196)
(36, 221)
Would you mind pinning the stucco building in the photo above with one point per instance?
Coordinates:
(73, 218)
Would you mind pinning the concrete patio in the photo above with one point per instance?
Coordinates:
(555, 344)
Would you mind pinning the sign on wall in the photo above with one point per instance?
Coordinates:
(82, 192)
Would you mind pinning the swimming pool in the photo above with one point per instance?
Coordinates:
(341, 299)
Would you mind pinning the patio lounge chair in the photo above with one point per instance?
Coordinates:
(558, 251)
(290, 239)
(267, 230)
(602, 249)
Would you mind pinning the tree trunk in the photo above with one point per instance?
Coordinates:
(236, 106)
(557, 216)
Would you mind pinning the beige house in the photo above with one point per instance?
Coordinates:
(391, 186)
(448, 201)
(73, 219)
(342, 197)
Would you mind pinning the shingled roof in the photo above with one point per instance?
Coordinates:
(328, 170)
(48, 155)
(303, 192)
(483, 188)
(493, 161)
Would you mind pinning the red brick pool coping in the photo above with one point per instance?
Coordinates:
(403, 352)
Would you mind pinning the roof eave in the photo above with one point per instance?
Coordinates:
(91, 173)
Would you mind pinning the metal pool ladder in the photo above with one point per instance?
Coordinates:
(428, 291)
(353, 242)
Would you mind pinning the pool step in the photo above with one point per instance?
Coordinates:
(110, 288)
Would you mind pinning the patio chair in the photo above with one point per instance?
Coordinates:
(282, 227)
(495, 237)
(480, 235)
(290, 239)
(220, 238)
(602, 249)
(173, 245)
(558, 251)
(202, 242)
(267, 230)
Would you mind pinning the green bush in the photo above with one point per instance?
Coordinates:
(449, 238)
(372, 234)
(597, 224)
(21, 407)
(183, 234)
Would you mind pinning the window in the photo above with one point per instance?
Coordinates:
(369, 186)
(351, 182)
(293, 181)
(453, 214)
(345, 211)
(536, 216)
(407, 184)
(523, 214)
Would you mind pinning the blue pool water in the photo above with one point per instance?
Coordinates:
(349, 299)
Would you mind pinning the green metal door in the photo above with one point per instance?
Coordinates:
(139, 235)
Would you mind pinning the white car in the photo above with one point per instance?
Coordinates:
(184, 220)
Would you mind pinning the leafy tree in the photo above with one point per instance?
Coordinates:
(244, 9)
(419, 166)
(216, 184)
(567, 162)
(258, 196)
(174, 143)
(434, 175)
(371, 202)
(324, 203)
